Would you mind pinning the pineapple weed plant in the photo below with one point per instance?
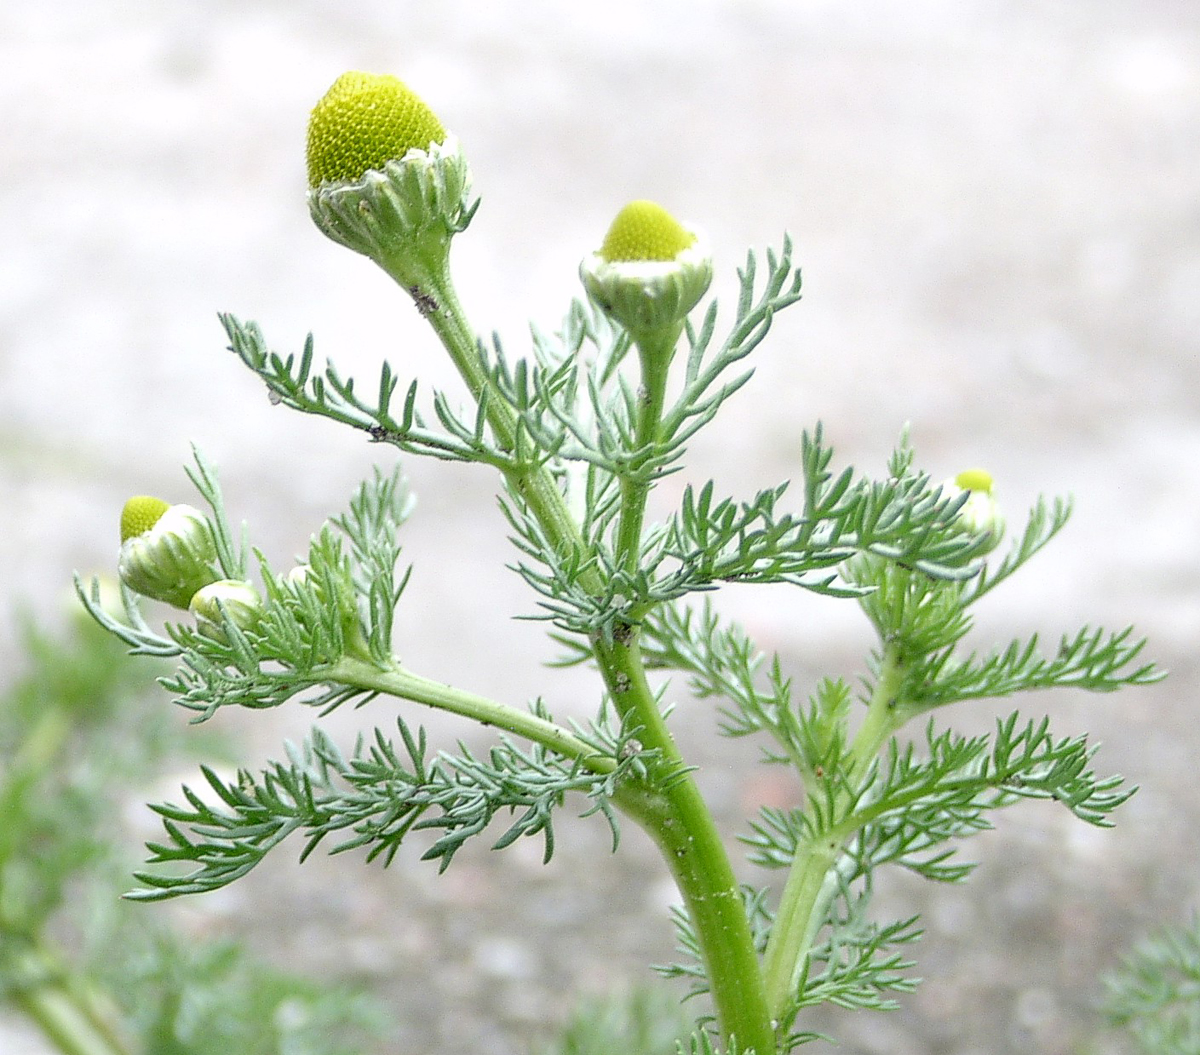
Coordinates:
(579, 433)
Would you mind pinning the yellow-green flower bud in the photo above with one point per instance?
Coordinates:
(140, 514)
(298, 575)
(385, 179)
(364, 121)
(236, 597)
(167, 551)
(649, 272)
(645, 231)
(332, 592)
(980, 513)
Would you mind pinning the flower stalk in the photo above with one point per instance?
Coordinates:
(395, 680)
(672, 811)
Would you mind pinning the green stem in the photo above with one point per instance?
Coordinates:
(675, 815)
(433, 291)
(810, 885)
(655, 351)
(796, 924)
(676, 818)
(884, 710)
(395, 680)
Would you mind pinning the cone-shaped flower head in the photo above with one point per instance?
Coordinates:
(980, 513)
(167, 551)
(140, 514)
(385, 178)
(364, 121)
(649, 272)
(239, 600)
(645, 231)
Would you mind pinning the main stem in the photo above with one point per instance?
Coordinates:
(668, 805)
(670, 808)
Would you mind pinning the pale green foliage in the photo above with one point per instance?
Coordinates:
(73, 701)
(345, 603)
(78, 732)
(646, 1021)
(374, 799)
(1155, 994)
(570, 432)
(212, 998)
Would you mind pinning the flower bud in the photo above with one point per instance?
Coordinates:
(167, 551)
(980, 513)
(298, 575)
(385, 179)
(650, 270)
(239, 600)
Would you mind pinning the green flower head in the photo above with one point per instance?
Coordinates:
(385, 178)
(649, 272)
(167, 551)
(364, 121)
(140, 514)
(645, 231)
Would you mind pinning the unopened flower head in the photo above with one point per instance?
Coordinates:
(650, 271)
(167, 551)
(239, 600)
(298, 575)
(140, 514)
(314, 596)
(980, 513)
(385, 178)
(303, 579)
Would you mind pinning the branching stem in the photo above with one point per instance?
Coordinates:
(675, 814)
(433, 291)
(807, 894)
(680, 823)
(395, 680)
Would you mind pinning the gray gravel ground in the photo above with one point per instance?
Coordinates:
(997, 210)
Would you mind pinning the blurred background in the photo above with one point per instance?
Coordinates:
(997, 211)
